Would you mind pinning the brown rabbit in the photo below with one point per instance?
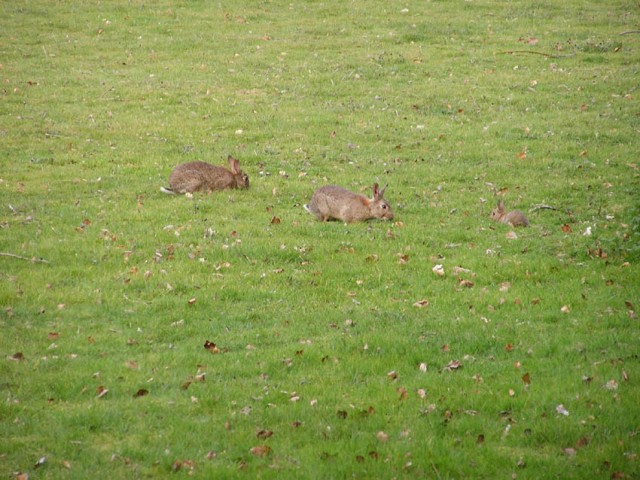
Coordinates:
(332, 202)
(204, 177)
(515, 218)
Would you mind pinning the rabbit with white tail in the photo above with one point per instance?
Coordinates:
(332, 202)
(203, 177)
(515, 218)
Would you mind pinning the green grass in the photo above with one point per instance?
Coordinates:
(450, 104)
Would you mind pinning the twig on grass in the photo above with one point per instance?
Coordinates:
(32, 259)
(531, 52)
(542, 206)
(629, 32)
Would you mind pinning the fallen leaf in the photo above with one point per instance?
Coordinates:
(570, 452)
(438, 270)
(453, 365)
(526, 379)
(402, 393)
(566, 228)
(561, 410)
(191, 301)
(17, 357)
(53, 335)
(508, 347)
(212, 347)
(41, 461)
(133, 365)
(381, 436)
(392, 375)
(260, 450)
(465, 283)
(101, 391)
(611, 385)
(423, 367)
(275, 220)
(141, 393)
(262, 434)
(582, 442)
(421, 303)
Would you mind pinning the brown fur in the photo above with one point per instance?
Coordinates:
(515, 218)
(333, 202)
(203, 177)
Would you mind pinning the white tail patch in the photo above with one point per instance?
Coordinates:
(167, 191)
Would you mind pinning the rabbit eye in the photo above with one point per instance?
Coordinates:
(384, 206)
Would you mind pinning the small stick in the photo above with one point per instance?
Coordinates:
(630, 32)
(542, 207)
(34, 259)
(548, 55)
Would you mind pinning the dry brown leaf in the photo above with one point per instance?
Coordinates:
(402, 393)
(421, 303)
(453, 365)
(438, 270)
(141, 393)
(260, 450)
(212, 347)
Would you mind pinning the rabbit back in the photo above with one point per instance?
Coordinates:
(515, 218)
(333, 202)
(203, 177)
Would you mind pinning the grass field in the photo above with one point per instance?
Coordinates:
(334, 350)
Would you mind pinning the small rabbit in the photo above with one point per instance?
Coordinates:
(204, 177)
(332, 202)
(515, 218)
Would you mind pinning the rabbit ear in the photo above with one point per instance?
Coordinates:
(381, 194)
(500, 205)
(376, 193)
(234, 165)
